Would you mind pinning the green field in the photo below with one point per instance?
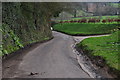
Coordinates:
(85, 28)
(106, 46)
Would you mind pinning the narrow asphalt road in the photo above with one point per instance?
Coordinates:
(53, 59)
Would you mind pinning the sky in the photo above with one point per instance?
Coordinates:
(60, 0)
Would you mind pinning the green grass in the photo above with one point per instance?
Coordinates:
(85, 28)
(106, 46)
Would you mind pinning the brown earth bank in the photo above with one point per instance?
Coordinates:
(99, 63)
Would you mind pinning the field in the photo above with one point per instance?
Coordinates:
(88, 25)
(106, 47)
(85, 28)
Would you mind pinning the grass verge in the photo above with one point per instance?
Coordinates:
(105, 47)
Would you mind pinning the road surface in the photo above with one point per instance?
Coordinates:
(53, 59)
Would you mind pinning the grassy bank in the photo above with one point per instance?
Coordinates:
(85, 28)
(106, 47)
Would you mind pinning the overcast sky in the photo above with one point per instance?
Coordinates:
(60, 0)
